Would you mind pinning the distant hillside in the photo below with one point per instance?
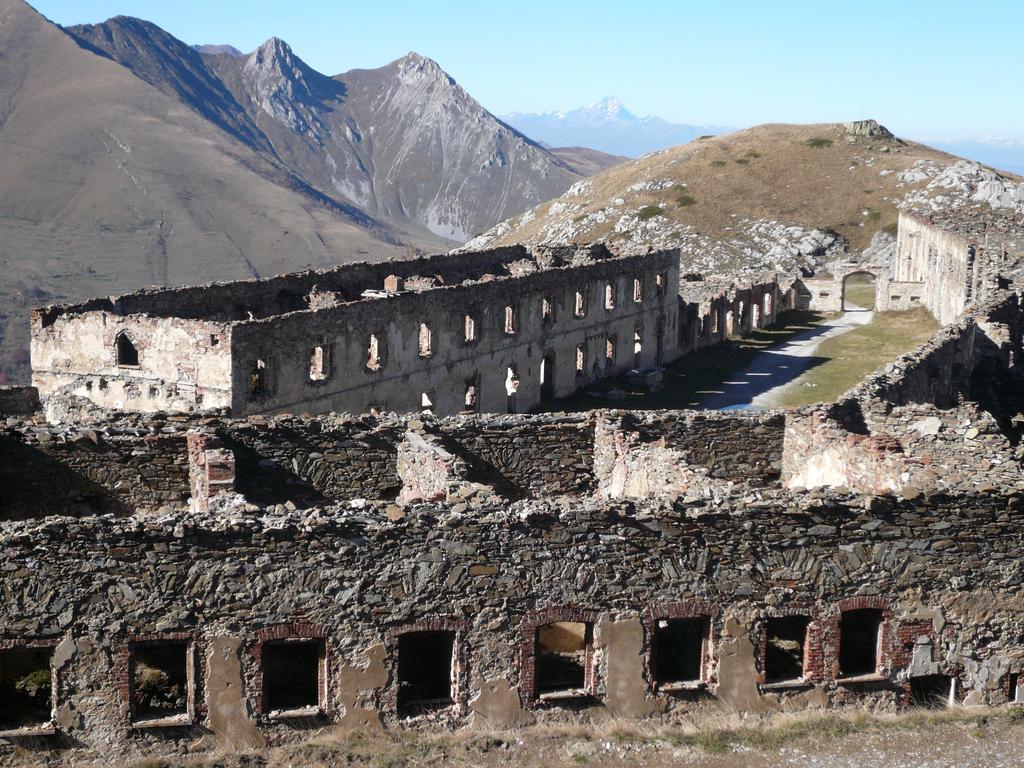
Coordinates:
(588, 161)
(403, 142)
(606, 126)
(771, 197)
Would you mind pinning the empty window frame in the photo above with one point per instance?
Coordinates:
(425, 671)
(785, 646)
(126, 351)
(932, 691)
(859, 634)
(160, 677)
(638, 290)
(26, 688)
(638, 346)
(511, 387)
(510, 320)
(259, 378)
(374, 353)
(292, 676)
(472, 395)
(319, 363)
(547, 310)
(714, 320)
(547, 376)
(563, 652)
(580, 304)
(426, 341)
(609, 352)
(679, 650)
(469, 329)
(609, 296)
(660, 283)
(581, 359)
(426, 401)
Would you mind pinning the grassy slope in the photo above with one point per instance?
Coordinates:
(852, 356)
(777, 172)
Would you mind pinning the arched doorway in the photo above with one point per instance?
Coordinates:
(859, 292)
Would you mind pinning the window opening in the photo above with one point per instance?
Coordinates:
(425, 341)
(425, 664)
(562, 653)
(26, 688)
(373, 353)
(859, 632)
(786, 639)
(679, 648)
(160, 679)
(291, 674)
(127, 353)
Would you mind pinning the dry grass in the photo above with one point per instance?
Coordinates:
(810, 175)
(849, 358)
(707, 737)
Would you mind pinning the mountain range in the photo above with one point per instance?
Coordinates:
(129, 159)
(607, 126)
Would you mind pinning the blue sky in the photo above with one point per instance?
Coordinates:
(936, 70)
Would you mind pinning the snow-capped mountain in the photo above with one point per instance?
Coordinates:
(607, 126)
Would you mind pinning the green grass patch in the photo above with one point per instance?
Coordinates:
(719, 163)
(649, 212)
(819, 142)
(742, 161)
(752, 155)
(849, 358)
(691, 378)
(685, 200)
(892, 228)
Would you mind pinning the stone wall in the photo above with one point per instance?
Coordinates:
(943, 568)
(944, 262)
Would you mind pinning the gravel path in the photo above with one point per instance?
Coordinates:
(757, 385)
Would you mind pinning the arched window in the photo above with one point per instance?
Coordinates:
(127, 353)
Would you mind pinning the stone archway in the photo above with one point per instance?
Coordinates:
(842, 275)
(859, 291)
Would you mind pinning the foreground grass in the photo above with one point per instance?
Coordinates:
(849, 358)
(713, 738)
(692, 377)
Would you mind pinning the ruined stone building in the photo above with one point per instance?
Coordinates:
(495, 331)
(176, 581)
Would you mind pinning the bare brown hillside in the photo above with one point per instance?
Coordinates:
(771, 196)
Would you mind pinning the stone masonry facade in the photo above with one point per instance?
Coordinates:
(180, 581)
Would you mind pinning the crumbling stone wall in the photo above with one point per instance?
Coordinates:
(355, 582)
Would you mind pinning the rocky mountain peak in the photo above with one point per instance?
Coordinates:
(418, 66)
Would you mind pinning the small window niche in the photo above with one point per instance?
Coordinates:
(469, 329)
(425, 671)
(472, 397)
(638, 347)
(562, 655)
(638, 290)
(609, 296)
(374, 353)
(161, 679)
(427, 402)
(511, 388)
(510, 321)
(932, 691)
(859, 634)
(785, 646)
(547, 310)
(580, 304)
(679, 649)
(609, 352)
(660, 283)
(293, 673)
(259, 379)
(127, 352)
(26, 690)
(319, 363)
(581, 359)
(426, 341)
